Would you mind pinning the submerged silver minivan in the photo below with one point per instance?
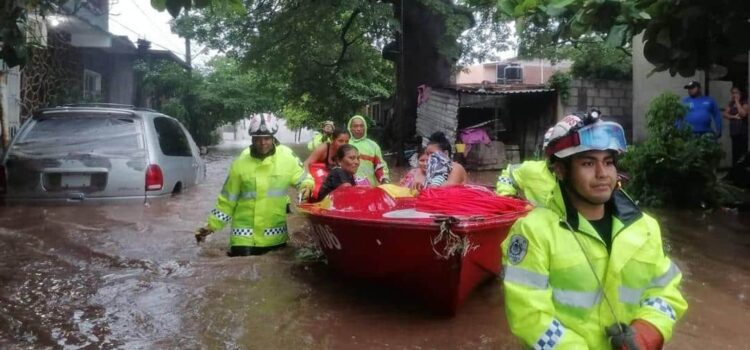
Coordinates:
(95, 154)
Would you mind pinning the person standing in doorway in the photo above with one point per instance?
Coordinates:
(736, 112)
(702, 111)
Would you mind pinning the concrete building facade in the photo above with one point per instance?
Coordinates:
(534, 71)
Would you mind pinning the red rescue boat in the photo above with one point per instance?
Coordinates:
(371, 237)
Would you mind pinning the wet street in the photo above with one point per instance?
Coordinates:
(132, 277)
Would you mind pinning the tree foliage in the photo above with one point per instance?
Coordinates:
(328, 53)
(486, 39)
(679, 36)
(596, 60)
(206, 99)
(321, 52)
(672, 167)
(560, 81)
(16, 20)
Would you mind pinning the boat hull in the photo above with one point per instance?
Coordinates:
(412, 257)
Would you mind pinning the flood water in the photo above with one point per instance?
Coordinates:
(132, 277)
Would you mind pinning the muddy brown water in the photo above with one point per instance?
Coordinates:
(132, 277)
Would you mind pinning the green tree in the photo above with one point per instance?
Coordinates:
(328, 53)
(679, 36)
(322, 55)
(206, 99)
(596, 60)
(672, 167)
(16, 37)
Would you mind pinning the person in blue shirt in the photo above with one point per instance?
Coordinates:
(701, 111)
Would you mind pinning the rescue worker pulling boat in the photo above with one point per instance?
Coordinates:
(254, 196)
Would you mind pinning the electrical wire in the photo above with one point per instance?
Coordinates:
(143, 36)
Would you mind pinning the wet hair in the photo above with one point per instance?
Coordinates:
(336, 133)
(341, 152)
(438, 138)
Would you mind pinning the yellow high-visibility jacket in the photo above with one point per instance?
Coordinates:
(254, 198)
(531, 180)
(316, 141)
(552, 298)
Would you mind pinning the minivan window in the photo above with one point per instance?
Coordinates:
(172, 139)
(88, 134)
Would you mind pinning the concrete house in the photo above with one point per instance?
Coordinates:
(512, 71)
(80, 61)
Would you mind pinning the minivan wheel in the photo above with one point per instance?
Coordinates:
(177, 188)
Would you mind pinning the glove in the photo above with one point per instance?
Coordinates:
(202, 233)
(622, 337)
(304, 194)
(647, 336)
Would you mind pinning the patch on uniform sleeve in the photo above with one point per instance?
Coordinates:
(517, 248)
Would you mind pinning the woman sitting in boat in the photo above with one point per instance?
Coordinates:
(435, 166)
(326, 151)
(347, 163)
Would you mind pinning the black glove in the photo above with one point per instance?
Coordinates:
(621, 336)
(202, 233)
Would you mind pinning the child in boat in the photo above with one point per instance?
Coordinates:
(415, 177)
(441, 170)
(343, 174)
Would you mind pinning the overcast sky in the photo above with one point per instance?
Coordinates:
(138, 20)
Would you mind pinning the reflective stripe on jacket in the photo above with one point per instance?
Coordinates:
(552, 298)
(531, 180)
(254, 198)
(372, 166)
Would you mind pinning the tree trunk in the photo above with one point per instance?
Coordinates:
(423, 61)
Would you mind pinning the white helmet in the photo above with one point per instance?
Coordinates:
(572, 136)
(561, 129)
(263, 124)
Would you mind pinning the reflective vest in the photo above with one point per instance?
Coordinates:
(372, 166)
(531, 180)
(254, 198)
(553, 299)
(316, 141)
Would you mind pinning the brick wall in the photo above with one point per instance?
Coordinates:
(613, 98)
(438, 113)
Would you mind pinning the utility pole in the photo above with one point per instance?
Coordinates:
(188, 59)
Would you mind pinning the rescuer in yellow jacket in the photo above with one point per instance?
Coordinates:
(254, 196)
(587, 270)
(533, 180)
(372, 166)
(321, 137)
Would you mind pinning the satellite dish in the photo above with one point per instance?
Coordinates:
(717, 71)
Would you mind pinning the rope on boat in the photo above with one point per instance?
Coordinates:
(454, 244)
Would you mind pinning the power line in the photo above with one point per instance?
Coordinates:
(158, 28)
(143, 36)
